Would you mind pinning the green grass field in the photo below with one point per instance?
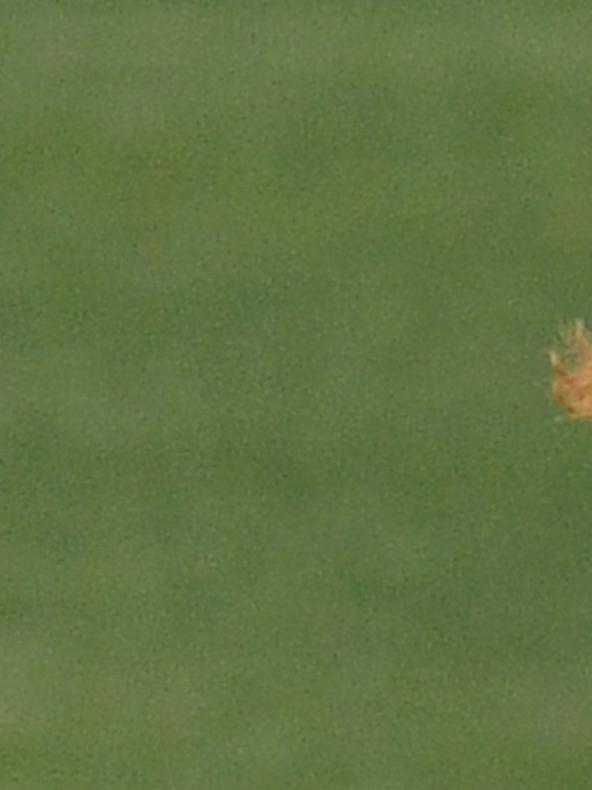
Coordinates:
(284, 500)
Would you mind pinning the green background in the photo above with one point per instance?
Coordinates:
(284, 500)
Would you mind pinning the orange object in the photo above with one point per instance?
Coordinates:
(572, 372)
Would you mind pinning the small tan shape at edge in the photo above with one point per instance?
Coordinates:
(572, 372)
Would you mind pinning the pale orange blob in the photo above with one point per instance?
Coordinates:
(572, 372)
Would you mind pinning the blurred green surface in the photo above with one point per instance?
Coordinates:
(284, 500)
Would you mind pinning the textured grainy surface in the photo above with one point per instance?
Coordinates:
(284, 504)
